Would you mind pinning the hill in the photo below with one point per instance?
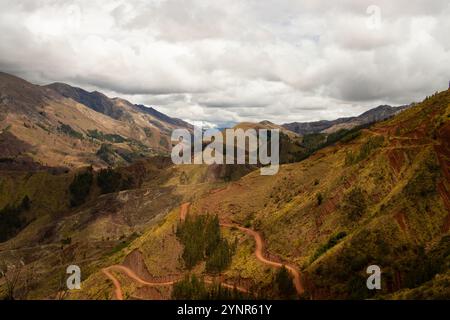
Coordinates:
(379, 194)
(377, 114)
(60, 125)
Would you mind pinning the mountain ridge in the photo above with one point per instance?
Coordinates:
(376, 114)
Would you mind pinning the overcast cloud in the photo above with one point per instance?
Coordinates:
(229, 61)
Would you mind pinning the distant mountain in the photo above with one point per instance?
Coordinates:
(379, 113)
(95, 100)
(61, 125)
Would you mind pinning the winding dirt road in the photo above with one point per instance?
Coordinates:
(184, 209)
(131, 274)
(259, 250)
(259, 253)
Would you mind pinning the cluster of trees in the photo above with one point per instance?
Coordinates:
(81, 187)
(68, 130)
(12, 219)
(194, 288)
(96, 134)
(110, 180)
(428, 264)
(202, 240)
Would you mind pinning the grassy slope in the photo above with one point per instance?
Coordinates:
(400, 224)
(400, 220)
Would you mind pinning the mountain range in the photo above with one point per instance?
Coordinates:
(86, 180)
(60, 125)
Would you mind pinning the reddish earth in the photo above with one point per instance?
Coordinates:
(401, 220)
(396, 159)
(184, 210)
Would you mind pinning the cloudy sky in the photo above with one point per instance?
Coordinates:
(227, 61)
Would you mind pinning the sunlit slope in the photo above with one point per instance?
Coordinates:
(62, 126)
(381, 198)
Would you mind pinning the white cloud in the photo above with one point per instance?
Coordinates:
(230, 61)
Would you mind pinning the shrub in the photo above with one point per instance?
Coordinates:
(334, 240)
(354, 204)
(319, 199)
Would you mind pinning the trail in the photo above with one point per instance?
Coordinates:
(184, 208)
(117, 286)
(259, 250)
(259, 253)
(131, 274)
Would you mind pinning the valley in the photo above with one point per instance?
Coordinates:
(85, 180)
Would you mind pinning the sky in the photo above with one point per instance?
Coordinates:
(225, 61)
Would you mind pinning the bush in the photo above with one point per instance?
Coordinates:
(80, 188)
(319, 199)
(354, 204)
(334, 240)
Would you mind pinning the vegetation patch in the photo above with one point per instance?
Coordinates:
(365, 150)
(202, 240)
(195, 288)
(68, 130)
(80, 188)
(114, 138)
(354, 204)
(12, 219)
(334, 240)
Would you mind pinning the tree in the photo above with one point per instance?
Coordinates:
(319, 199)
(284, 284)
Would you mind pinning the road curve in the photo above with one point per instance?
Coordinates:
(259, 253)
(259, 250)
(131, 274)
(184, 209)
(117, 286)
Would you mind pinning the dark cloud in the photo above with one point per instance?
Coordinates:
(229, 61)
